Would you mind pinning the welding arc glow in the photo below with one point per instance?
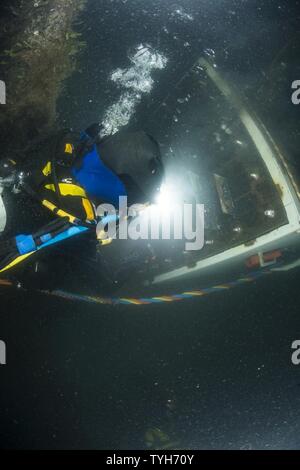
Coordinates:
(167, 198)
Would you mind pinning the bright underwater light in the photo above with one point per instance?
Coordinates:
(164, 197)
(167, 201)
(167, 198)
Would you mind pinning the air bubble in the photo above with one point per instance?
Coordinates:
(210, 52)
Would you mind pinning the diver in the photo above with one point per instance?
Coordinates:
(84, 171)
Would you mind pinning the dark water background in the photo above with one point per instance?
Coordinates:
(210, 373)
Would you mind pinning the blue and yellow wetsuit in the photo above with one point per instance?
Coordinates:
(77, 179)
(82, 185)
(98, 181)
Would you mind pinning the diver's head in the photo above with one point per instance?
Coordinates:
(146, 189)
(144, 181)
(136, 159)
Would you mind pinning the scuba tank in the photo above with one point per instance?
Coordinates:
(3, 217)
(7, 178)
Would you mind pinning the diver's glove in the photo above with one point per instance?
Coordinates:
(104, 234)
(103, 241)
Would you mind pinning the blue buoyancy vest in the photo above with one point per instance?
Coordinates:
(98, 180)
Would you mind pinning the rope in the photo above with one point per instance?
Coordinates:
(164, 299)
(157, 299)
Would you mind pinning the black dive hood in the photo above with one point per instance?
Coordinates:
(135, 157)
